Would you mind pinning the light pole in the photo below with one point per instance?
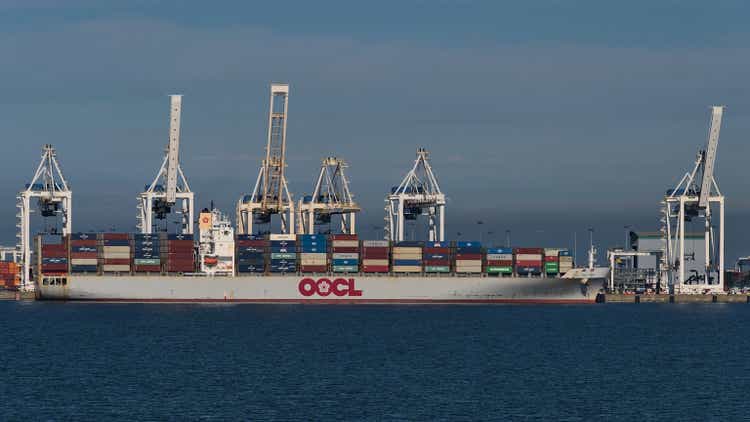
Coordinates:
(507, 238)
(479, 224)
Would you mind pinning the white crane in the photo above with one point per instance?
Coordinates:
(418, 194)
(270, 194)
(692, 198)
(54, 199)
(331, 196)
(170, 185)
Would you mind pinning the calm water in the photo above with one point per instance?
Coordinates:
(140, 362)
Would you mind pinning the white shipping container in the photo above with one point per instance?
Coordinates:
(115, 268)
(313, 261)
(116, 249)
(116, 255)
(407, 268)
(375, 243)
(375, 262)
(528, 257)
(407, 249)
(552, 251)
(500, 256)
(346, 255)
(345, 243)
(83, 261)
(469, 262)
(283, 237)
(566, 259)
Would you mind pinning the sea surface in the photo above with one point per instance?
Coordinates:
(82, 361)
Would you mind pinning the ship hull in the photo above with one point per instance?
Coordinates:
(330, 289)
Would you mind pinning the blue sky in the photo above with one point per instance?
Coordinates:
(542, 117)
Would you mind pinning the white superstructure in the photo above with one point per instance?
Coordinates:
(216, 247)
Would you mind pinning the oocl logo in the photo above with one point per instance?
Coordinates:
(325, 287)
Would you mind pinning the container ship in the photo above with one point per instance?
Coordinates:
(219, 266)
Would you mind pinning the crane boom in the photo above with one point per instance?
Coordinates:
(710, 155)
(173, 148)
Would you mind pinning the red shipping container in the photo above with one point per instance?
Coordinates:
(313, 268)
(528, 251)
(499, 263)
(174, 268)
(345, 250)
(437, 262)
(54, 267)
(374, 268)
(528, 263)
(115, 236)
(370, 254)
(87, 242)
(464, 256)
(147, 268)
(87, 255)
(257, 243)
(441, 251)
(344, 237)
(54, 250)
(551, 259)
(117, 261)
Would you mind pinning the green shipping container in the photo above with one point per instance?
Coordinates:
(499, 270)
(147, 261)
(437, 269)
(283, 256)
(345, 269)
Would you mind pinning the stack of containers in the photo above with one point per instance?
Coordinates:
(528, 261)
(283, 253)
(251, 251)
(54, 254)
(565, 261)
(313, 253)
(344, 253)
(375, 256)
(468, 257)
(146, 253)
(437, 257)
(551, 261)
(10, 276)
(500, 261)
(115, 252)
(180, 253)
(83, 253)
(407, 257)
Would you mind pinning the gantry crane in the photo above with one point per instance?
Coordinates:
(331, 196)
(54, 199)
(170, 185)
(418, 194)
(692, 198)
(270, 194)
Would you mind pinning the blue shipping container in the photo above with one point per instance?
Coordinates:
(74, 249)
(83, 268)
(116, 242)
(344, 262)
(409, 243)
(251, 237)
(469, 244)
(278, 249)
(46, 260)
(52, 239)
(411, 262)
(175, 236)
(83, 236)
(505, 251)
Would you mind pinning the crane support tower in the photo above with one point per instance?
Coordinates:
(418, 194)
(54, 199)
(270, 194)
(331, 196)
(695, 197)
(170, 185)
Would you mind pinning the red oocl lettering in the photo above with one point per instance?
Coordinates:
(324, 287)
(307, 287)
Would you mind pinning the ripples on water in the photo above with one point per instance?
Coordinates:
(65, 361)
